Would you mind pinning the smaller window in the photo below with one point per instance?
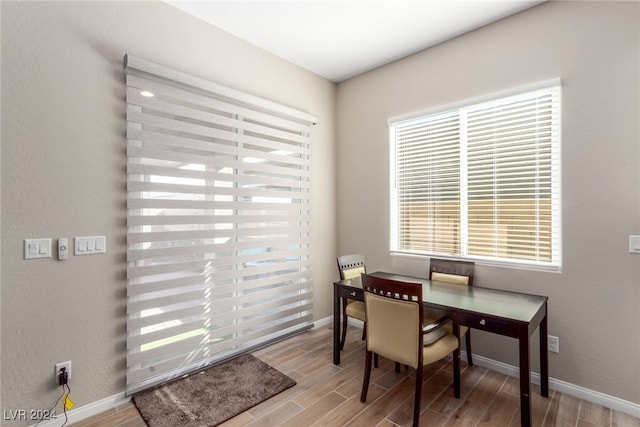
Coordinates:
(481, 181)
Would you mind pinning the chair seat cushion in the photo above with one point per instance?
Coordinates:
(439, 349)
(433, 336)
(449, 328)
(355, 309)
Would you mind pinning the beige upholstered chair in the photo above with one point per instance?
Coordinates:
(351, 266)
(457, 272)
(395, 330)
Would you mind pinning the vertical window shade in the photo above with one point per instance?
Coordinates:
(218, 222)
(481, 181)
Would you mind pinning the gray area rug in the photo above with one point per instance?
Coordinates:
(212, 396)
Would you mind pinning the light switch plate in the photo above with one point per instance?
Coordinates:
(37, 248)
(634, 244)
(90, 245)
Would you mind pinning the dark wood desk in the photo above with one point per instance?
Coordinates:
(512, 314)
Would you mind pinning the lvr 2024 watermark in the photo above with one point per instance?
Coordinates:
(28, 414)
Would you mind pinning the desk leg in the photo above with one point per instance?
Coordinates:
(336, 326)
(456, 362)
(525, 382)
(544, 358)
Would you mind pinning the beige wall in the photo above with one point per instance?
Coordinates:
(63, 175)
(594, 47)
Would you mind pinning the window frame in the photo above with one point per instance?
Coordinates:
(555, 262)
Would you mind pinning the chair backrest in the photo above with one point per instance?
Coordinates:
(446, 270)
(351, 266)
(394, 319)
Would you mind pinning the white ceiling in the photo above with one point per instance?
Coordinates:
(341, 39)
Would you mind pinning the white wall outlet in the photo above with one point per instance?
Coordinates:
(553, 344)
(59, 367)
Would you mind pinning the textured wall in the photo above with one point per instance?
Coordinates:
(594, 47)
(63, 175)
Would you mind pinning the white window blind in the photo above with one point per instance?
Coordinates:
(481, 181)
(218, 222)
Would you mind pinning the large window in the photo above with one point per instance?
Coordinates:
(219, 214)
(480, 181)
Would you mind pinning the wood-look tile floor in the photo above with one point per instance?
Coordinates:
(329, 395)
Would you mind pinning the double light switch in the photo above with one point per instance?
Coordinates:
(37, 248)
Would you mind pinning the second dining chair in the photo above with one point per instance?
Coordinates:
(459, 273)
(395, 330)
(350, 266)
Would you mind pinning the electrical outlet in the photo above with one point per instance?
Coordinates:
(59, 367)
(554, 343)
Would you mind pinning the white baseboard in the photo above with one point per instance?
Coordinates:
(325, 321)
(593, 396)
(602, 399)
(605, 400)
(87, 411)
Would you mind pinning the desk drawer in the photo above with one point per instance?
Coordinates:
(484, 323)
(351, 293)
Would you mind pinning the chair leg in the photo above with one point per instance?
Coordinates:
(468, 343)
(397, 367)
(364, 331)
(367, 376)
(418, 397)
(344, 324)
(456, 373)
